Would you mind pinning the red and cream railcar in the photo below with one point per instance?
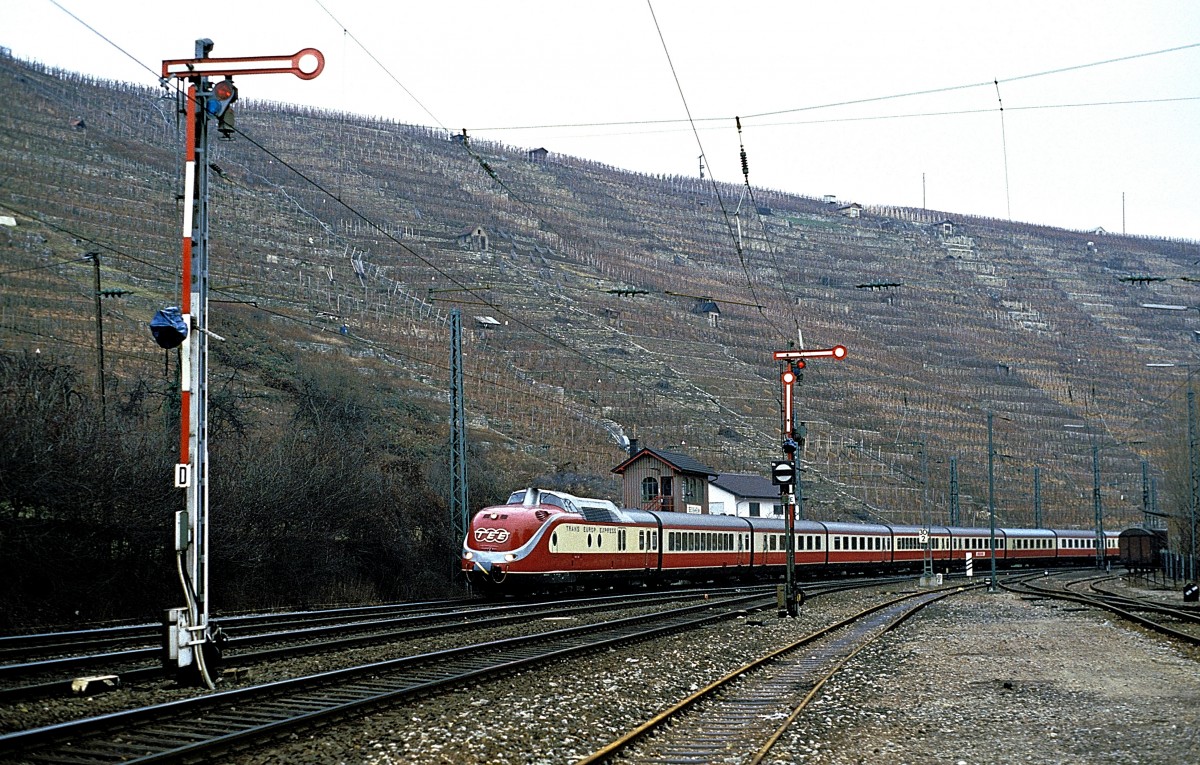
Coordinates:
(768, 542)
(1080, 545)
(911, 542)
(544, 538)
(858, 545)
(554, 537)
(1029, 546)
(696, 544)
(978, 542)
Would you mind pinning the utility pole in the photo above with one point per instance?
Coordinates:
(95, 258)
(1096, 506)
(191, 639)
(926, 515)
(1193, 478)
(992, 502)
(1146, 494)
(954, 509)
(1037, 497)
(459, 512)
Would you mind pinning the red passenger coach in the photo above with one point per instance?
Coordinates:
(1080, 545)
(1028, 546)
(910, 543)
(978, 542)
(859, 545)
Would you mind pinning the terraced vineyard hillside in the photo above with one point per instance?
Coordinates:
(588, 296)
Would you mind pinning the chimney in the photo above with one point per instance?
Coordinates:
(633, 446)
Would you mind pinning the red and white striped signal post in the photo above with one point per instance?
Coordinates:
(788, 478)
(190, 637)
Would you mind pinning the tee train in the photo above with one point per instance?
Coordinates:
(544, 539)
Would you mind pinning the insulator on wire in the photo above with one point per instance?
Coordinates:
(745, 164)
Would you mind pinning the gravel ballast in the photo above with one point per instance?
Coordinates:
(975, 679)
(999, 679)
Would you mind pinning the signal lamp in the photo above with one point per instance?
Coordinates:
(223, 94)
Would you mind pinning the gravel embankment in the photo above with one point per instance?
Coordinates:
(975, 679)
(562, 712)
(1000, 679)
(979, 679)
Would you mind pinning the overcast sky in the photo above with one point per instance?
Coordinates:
(1069, 149)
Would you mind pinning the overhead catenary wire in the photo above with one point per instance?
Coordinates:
(1004, 148)
(712, 179)
(876, 99)
(766, 232)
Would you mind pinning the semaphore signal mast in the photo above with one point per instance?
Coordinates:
(190, 635)
(786, 473)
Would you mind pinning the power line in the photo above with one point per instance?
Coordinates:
(386, 71)
(712, 180)
(875, 99)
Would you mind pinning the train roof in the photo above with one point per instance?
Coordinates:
(973, 531)
(900, 529)
(1076, 533)
(1031, 533)
(838, 527)
(693, 520)
(1139, 531)
(777, 525)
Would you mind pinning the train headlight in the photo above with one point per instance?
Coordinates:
(510, 557)
(468, 555)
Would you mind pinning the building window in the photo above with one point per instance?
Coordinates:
(691, 487)
(649, 488)
(755, 509)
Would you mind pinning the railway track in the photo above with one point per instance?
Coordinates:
(261, 638)
(71, 648)
(195, 727)
(1135, 602)
(1165, 619)
(738, 718)
(199, 726)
